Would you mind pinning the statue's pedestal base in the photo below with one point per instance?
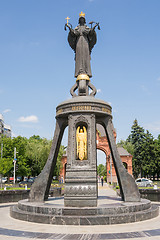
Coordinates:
(115, 212)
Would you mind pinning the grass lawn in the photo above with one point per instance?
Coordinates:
(13, 188)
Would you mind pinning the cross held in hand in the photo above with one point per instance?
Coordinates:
(67, 19)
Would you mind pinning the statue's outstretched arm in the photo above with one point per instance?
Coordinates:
(70, 29)
(93, 29)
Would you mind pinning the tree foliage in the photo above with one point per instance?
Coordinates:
(101, 170)
(157, 155)
(145, 151)
(37, 151)
(137, 137)
(31, 156)
(7, 156)
(148, 156)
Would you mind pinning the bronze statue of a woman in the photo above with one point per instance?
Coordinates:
(82, 39)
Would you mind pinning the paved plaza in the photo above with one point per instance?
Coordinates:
(13, 229)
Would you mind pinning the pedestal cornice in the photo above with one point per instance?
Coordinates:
(84, 104)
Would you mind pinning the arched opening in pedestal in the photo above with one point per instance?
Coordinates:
(63, 164)
(101, 167)
(125, 165)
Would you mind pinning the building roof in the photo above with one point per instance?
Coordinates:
(123, 152)
(1, 117)
(8, 127)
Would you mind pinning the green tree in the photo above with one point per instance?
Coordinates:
(37, 151)
(6, 166)
(137, 139)
(148, 153)
(157, 152)
(6, 162)
(31, 156)
(101, 170)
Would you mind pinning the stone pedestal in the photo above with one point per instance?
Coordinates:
(81, 176)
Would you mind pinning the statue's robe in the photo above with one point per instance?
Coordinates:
(82, 39)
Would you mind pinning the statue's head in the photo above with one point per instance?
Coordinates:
(81, 130)
(82, 19)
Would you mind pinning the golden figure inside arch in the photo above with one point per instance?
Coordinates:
(81, 137)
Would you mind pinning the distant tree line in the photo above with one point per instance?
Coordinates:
(145, 151)
(31, 157)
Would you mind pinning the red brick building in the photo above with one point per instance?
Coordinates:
(102, 144)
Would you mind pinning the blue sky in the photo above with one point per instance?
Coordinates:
(37, 64)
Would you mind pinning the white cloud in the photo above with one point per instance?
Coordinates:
(158, 79)
(7, 110)
(31, 119)
(153, 127)
(145, 90)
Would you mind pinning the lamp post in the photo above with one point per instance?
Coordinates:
(111, 167)
(1, 150)
(1, 158)
(14, 161)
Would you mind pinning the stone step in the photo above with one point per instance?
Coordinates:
(104, 209)
(152, 212)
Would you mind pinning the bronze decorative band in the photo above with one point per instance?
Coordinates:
(83, 108)
(83, 77)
